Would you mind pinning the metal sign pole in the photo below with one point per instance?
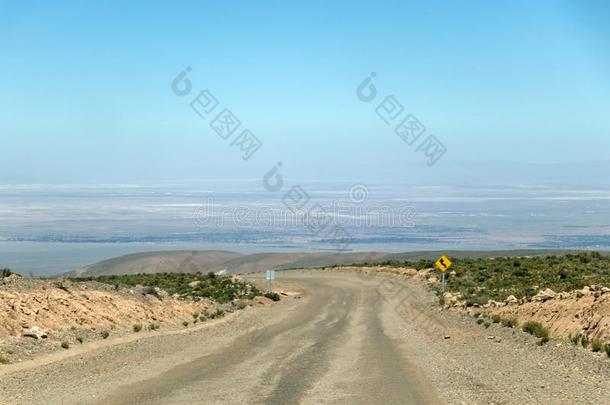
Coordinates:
(443, 281)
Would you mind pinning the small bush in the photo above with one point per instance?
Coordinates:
(574, 339)
(476, 314)
(496, 318)
(509, 323)
(241, 305)
(543, 340)
(137, 327)
(185, 323)
(61, 286)
(480, 320)
(607, 349)
(487, 324)
(65, 345)
(584, 341)
(149, 290)
(4, 360)
(195, 315)
(79, 339)
(105, 334)
(153, 326)
(5, 272)
(536, 329)
(596, 345)
(272, 295)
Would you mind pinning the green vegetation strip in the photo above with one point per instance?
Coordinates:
(195, 286)
(479, 280)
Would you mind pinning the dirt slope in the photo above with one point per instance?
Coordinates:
(37, 315)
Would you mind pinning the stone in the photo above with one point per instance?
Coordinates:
(544, 295)
(36, 333)
(511, 300)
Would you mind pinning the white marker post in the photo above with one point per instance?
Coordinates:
(270, 278)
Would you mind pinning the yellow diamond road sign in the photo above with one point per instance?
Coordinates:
(443, 263)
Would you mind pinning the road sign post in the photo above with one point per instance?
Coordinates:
(443, 264)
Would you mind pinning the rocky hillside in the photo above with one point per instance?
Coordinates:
(38, 315)
(583, 312)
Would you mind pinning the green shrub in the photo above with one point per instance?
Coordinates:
(536, 329)
(221, 289)
(153, 326)
(4, 360)
(105, 334)
(607, 349)
(496, 318)
(584, 341)
(137, 327)
(5, 272)
(509, 323)
(185, 323)
(241, 305)
(79, 339)
(149, 290)
(596, 345)
(195, 315)
(480, 320)
(272, 295)
(65, 345)
(487, 324)
(476, 314)
(574, 339)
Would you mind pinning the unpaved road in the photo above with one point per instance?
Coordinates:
(350, 339)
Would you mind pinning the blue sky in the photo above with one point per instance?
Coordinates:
(86, 88)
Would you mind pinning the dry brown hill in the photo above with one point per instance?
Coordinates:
(191, 261)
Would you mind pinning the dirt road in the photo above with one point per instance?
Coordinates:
(349, 339)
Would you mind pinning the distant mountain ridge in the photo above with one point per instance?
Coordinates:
(192, 261)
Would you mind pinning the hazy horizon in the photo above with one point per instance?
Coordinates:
(118, 122)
